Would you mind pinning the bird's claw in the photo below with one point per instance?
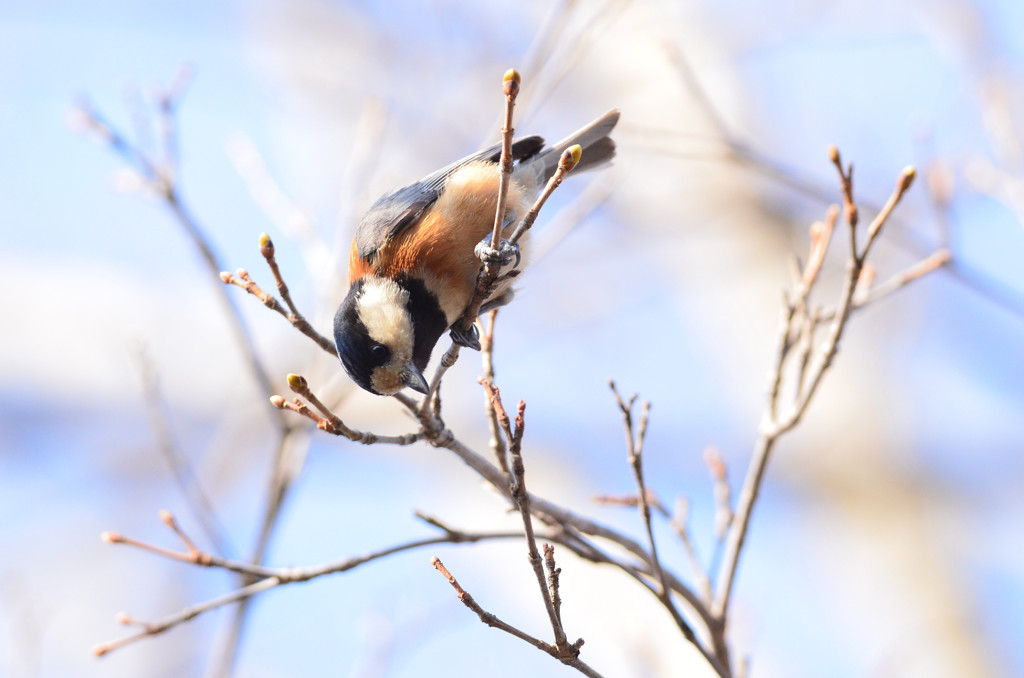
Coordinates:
(469, 339)
(503, 255)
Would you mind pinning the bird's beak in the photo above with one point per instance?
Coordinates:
(414, 379)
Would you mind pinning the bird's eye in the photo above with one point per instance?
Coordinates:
(380, 352)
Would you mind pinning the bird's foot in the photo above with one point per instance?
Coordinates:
(469, 339)
(503, 255)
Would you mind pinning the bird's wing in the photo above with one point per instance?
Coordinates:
(399, 210)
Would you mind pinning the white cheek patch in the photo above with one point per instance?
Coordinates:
(382, 309)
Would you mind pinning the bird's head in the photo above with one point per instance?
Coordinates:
(384, 331)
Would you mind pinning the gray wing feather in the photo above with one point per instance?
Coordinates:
(397, 211)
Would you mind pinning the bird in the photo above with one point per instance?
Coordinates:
(412, 266)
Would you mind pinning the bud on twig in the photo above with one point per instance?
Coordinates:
(297, 383)
(906, 178)
(167, 518)
(570, 158)
(511, 82)
(266, 246)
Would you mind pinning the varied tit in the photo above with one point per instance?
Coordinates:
(413, 270)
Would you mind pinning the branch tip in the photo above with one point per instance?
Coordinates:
(570, 158)
(297, 383)
(111, 537)
(907, 178)
(511, 82)
(266, 246)
(167, 518)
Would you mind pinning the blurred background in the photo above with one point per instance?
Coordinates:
(888, 538)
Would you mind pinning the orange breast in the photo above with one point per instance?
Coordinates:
(439, 247)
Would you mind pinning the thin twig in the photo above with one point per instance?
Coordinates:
(679, 524)
(294, 317)
(497, 443)
(568, 654)
(510, 86)
(554, 573)
(266, 577)
(569, 159)
(932, 262)
(242, 279)
(330, 422)
(634, 445)
(775, 426)
(184, 474)
(489, 270)
(521, 500)
(162, 178)
(163, 184)
(557, 514)
(783, 345)
(720, 480)
(448, 359)
(187, 614)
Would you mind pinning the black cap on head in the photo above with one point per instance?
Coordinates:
(358, 352)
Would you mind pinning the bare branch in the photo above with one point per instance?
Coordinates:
(570, 158)
(634, 445)
(487, 357)
(521, 499)
(184, 474)
(330, 422)
(679, 524)
(187, 614)
(776, 423)
(295, 318)
(720, 478)
(510, 86)
(268, 578)
(164, 184)
(242, 279)
(568, 655)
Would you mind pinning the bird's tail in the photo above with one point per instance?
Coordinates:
(598, 148)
